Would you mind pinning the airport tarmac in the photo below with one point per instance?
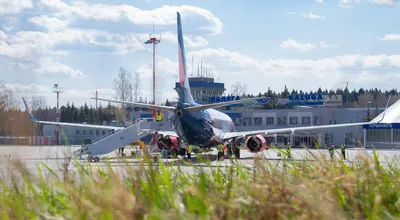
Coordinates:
(56, 156)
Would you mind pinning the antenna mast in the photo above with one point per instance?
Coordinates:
(201, 69)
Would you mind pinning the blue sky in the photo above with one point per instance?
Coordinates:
(302, 44)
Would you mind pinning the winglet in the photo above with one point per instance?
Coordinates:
(30, 113)
(384, 112)
(390, 115)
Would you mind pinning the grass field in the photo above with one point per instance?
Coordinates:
(290, 189)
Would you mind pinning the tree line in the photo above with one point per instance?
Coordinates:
(360, 98)
(90, 115)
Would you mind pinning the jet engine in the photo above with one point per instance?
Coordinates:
(256, 143)
(167, 141)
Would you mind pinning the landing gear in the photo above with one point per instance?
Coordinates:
(94, 159)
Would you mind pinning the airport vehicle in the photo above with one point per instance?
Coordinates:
(203, 126)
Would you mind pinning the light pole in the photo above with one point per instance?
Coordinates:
(57, 90)
(368, 111)
(154, 41)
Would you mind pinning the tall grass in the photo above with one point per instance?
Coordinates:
(268, 190)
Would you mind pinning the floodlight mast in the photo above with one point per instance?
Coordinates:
(57, 90)
(154, 41)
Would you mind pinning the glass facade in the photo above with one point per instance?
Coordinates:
(281, 120)
(293, 120)
(258, 121)
(379, 135)
(318, 120)
(270, 120)
(384, 137)
(306, 120)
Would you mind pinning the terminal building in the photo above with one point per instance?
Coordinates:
(309, 109)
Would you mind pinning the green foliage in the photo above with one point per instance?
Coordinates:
(318, 189)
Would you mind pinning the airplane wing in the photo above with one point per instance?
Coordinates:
(230, 135)
(169, 133)
(68, 124)
(157, 107)
(390, 115)
(222, 104)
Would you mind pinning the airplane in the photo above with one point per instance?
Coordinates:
(204, 126)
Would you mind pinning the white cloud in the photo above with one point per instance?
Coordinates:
(320, 1)
(3, 36)
(59, 53)
(292, 44)
(190, 41)
(50, 23)
(382, 2)
(221, 57)
(78, 97)
(7, 28)
(25, 65)
(195, 42)
(166, 76)
(15, 51)
(162, 64)
(27, 89)
(347, 3)
(308, 15)
(53, 67)
(325, 45)
(25, 44)
(14, 6)
(312, 16)
(259, 74)
(390, 37)
(224, 57)
(166, 15)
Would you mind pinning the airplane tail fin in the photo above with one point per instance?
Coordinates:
(185, 96)
(30, 113)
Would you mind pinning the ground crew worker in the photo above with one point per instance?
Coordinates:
(220, 151)
(236, 149)
(189, 151)
(289, 151)
(331, 151)
(159, 116)
(164, 152)
(230, 150)
(343, 149)
(121, 150)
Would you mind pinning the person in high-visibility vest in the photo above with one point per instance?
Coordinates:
(121, 150)
(289, 151)
(220, 149)
(159, 116)
(332, 151)
(343, 149)
(189, 151)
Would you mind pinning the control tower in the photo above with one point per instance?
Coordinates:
(202, 88)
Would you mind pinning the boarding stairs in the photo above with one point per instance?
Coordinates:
(114, 140)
